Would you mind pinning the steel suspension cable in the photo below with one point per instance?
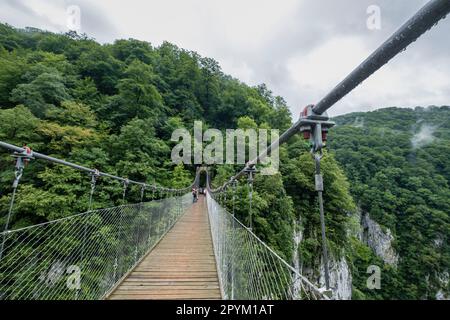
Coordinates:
(427, 17)
(37, 155)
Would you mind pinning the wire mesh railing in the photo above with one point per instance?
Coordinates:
(83, 256)
(248, 269)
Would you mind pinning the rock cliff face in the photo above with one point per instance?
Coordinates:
(340, 274)
(340, 278)
(379, 240)
(444, 279)
(372, 234)
(298, 235)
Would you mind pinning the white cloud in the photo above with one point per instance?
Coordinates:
(318, 71)
(55, 15)
(423, 137)
(300, 49)
(404, 82)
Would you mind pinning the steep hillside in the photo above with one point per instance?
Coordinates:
(398, 164)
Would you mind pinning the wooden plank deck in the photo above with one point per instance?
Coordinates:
(181, 266)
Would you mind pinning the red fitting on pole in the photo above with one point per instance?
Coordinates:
(306, 130)
(304, 113)
(29, 153)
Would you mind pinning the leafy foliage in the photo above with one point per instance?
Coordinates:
(397, 162)
(111, 107)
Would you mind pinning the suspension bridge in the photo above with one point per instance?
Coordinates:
(169, 247)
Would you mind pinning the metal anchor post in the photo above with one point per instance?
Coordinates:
(125, 187)
(234, 184)
(251, 171)
(319, 189)
(143, 187)
(22, 160)
(94, 177)
(315, 128)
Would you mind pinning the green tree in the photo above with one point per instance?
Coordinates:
(41, 94)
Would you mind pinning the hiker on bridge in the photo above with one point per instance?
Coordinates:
(194, 195)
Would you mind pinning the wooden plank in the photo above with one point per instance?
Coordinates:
(165, 297)
(170, 283)
(181, 266)
(166, 289)
(169, 279)
(184, 275)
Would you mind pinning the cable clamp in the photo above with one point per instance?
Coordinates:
(22, 160)
(315, 127)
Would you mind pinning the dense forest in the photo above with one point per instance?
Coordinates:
(397, 162)
(114, 107)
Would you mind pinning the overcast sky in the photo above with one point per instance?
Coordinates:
(299, 48)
